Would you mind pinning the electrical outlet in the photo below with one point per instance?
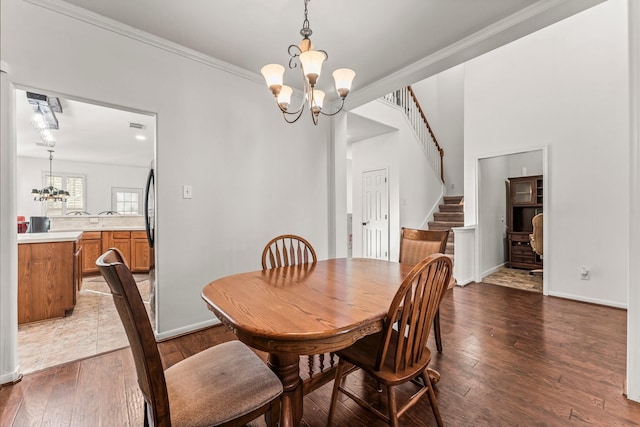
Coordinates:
(584, 274)
(187, 192)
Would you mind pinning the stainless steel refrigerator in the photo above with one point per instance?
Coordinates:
(150, 222)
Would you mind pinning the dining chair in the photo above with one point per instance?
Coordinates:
(224, 385)
(396, 355)
(287, 250)
(416, 245)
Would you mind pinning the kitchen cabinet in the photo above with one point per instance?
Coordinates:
(120, 240)
(133, 245)
(49, 271)
(91, 250)
(140, 252)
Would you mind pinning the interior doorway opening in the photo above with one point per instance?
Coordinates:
(492, 246)
(108, 147)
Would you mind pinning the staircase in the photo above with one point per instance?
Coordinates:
(451, 214)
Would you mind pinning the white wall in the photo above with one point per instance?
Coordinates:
(442, 100)
(100, 179)
(565, 88)
(253, 176)
(414, 188)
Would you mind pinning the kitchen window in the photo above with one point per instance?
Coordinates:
(75, 185)
(126, 201)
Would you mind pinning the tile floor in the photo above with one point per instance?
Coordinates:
(93, 328)
(515, 278)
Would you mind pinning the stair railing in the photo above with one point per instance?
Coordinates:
(406, 99)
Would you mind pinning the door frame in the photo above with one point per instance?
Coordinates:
(545, 200)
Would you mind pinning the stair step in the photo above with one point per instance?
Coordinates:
(451, 208)
(449, 200)
(442, 225)
(448, 216)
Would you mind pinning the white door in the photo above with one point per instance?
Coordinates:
(375, 215)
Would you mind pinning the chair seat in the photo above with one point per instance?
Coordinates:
(232, 379)
(365, 352)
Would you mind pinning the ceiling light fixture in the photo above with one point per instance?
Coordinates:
(310, 62)
(44, 118)
(50, 193)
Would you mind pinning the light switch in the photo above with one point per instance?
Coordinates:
(187, 192)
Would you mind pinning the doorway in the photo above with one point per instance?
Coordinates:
(375, 214)
(105, 149)
(492, 243)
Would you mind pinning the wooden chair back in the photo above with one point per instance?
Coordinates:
(416, 245)
(536, 237)
(286, 250)
(135, 320)
(414, 305)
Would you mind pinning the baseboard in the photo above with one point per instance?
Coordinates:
(491, 270)
(589, 300)
(11, 378)
(163, 336)
(464, 282)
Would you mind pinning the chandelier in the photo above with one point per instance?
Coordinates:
(310, 61)
(50, 193)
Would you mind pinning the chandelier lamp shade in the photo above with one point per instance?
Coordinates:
(310, 61)
(50, 193)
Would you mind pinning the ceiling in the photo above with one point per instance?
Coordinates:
(389, 44)
(88, 133)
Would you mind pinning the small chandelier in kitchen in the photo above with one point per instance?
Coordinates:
(50, 193)
(310, 61)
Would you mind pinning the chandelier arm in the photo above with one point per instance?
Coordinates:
(284, 116)
(335, 112)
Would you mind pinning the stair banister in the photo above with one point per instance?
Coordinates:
(433, 137)
(406, 99)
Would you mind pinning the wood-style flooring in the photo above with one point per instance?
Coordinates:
(511, 358)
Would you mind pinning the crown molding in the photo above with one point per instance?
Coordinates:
(117, 27)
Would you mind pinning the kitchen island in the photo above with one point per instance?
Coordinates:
(49, 274)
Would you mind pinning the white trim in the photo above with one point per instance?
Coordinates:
(114, 26)
(580, 298)
(11, 377)
(9, 366)
(491, 270)
(633, 283)
(186, 330)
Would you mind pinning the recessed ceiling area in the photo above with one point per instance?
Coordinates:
(88, 133)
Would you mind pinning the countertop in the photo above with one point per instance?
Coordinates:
(51, 237)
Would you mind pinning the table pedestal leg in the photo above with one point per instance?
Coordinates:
(287, 368)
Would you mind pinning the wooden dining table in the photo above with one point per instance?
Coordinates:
(303, 310)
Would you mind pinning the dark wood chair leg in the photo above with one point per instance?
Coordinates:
(436, 331)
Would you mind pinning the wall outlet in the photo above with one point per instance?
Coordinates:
(187, 192)
(584, 274)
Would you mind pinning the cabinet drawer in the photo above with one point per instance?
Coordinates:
(520, 238)
(139, 235)
(121, 234)
(522, 251)
(89, 235)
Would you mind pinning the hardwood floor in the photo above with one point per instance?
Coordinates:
(511, 357)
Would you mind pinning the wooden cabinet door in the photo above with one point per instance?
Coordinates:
(46, 287)
(140, 259)
(91, 250)
(124, 245)
(120, 240)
